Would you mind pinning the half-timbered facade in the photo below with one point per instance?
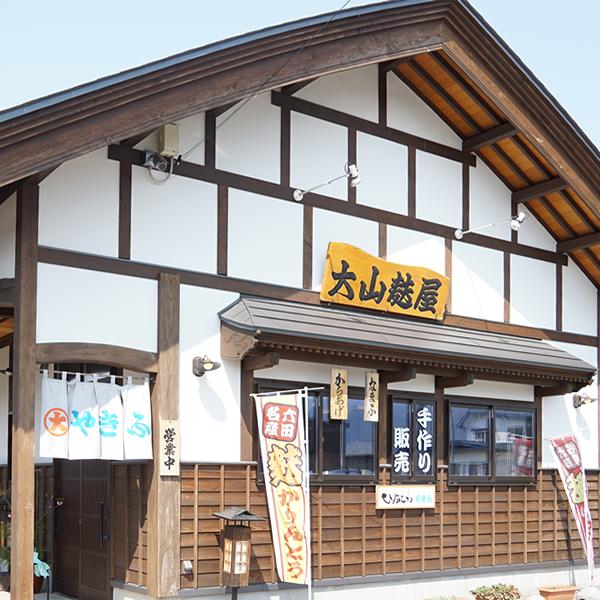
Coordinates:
(103, 268)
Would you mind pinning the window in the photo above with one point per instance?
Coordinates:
(339, 451)
(413, 440)
(511, 455)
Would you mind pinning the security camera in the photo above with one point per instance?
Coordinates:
(153, 160)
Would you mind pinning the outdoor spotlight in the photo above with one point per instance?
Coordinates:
(153, 160)
(581, 398)
(515, 222)
(458, 234)
(515, 225)
(203, 365)
(352, 171)
(298, 195)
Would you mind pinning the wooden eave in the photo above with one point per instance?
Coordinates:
(442, 49)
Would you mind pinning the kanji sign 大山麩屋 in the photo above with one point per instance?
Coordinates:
(355, 278)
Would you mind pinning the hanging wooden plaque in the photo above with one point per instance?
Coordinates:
(338, 400)
(371, 407)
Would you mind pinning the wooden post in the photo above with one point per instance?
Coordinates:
(248, 414)
(23, 446)
(164, 495)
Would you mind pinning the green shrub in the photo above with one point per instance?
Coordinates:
(499, 591)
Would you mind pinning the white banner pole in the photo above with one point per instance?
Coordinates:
(308, 532)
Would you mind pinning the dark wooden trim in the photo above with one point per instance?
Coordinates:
(382, 241)
(274, 190)
(466, 198)
(452, 382)
(294, 88)
(506, 276)
(404, 374)
(222, 228)
(125, 210)
(364, 125)
(247, 414)
(489, 136)
(392, 65)
(307, 247)
(149, 271)
(164, 502)
(411, 209)
(104, 354)
(559, 297)
(584, 241)
(219, 110)
(532, 192)
(260, 361)
(448, 243)
(351, 161)
(441, 417)
(285, 147)
(555, 390)
(23, 393)
(538, 431)
(384, 425)
(382, 100)
(134, 140)
(7, 191)
(210, 139)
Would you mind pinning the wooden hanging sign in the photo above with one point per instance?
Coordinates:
(338, 399)
(354, 277)
(169, 448)
(371, 408)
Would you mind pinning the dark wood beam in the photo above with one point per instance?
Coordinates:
(584, 241)
(404, 374)
(532, 192)
(555, 390)
(134, 140)
(261, 361)
(392, 65)
(451, 382)
(489, 136)
(292, 88)
(7, 191)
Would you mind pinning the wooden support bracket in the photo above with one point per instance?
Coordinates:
(539, 189)
(260, 361)
(404, 374)
(490, 136)
(555, 390)
(583, 241)
(450, 382)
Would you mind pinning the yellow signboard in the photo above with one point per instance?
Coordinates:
(355, 278)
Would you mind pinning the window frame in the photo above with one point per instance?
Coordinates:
(492, 405)
(412, 399)
(337, 479)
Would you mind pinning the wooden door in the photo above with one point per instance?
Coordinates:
(82, 531)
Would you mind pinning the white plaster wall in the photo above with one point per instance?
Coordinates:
(496, 390)
(383, 169)
(334, 227)
(533, 233)
(264, 239)
(7, 236)
(407, 112)
(4, 387)
(209, 406)
(477, 282)
(248, 141)
(579, 301)
(319, 151)
(439, 189)
(559, 416)
(175, 223)
(79, 205)
(353, 91)
(409, 247)
(532, 292)
(77, 305)
(490, 201)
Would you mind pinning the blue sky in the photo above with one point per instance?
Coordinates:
(47, 46)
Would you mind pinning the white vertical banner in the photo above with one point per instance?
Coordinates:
(137, 421)
(54, 430)
(110, 420)
(84, 433)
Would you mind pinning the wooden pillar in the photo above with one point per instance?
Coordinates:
(23, 394)
(248, 414)
(383, 441)
(164, 495)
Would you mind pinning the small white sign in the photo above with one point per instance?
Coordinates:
(169, 448)
(404, 496)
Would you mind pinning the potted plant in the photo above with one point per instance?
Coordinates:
(498, 591)
(558, 592)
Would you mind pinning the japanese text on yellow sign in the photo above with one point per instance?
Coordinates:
(355, 278)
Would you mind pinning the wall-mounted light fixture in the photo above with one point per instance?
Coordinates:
(515, 225)
(204, 365)
(583, 397)
(350, 172)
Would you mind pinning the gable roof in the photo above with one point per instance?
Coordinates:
(442, 49)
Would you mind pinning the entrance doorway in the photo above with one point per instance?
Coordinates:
(82, 557)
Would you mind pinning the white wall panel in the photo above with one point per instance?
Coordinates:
(499, 390)
(319, 151)
(439, 189)
(383, 168)
(409, 247)
(7, 236)
(4, 387)
(477, 282)
(407, 112)
(353, 91)
(580, 305)
(264, 239)
(76, 305)
(490, 201)
(334, 227)
(248, 142)
(532, 232)
(79, 205)
(532, 292)
(209, 406)
(174, 224)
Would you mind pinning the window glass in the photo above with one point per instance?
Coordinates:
(514, 443)
(469, 441)
(401, 439)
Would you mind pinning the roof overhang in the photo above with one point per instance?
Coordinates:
(321, 333)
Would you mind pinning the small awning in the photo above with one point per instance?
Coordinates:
(252, 323)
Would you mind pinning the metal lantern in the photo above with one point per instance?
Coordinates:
(236, 544)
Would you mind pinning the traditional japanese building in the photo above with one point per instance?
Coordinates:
(479, 335)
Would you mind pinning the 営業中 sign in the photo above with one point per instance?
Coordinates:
(169, 447)
(404, 496)
(355, 278)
